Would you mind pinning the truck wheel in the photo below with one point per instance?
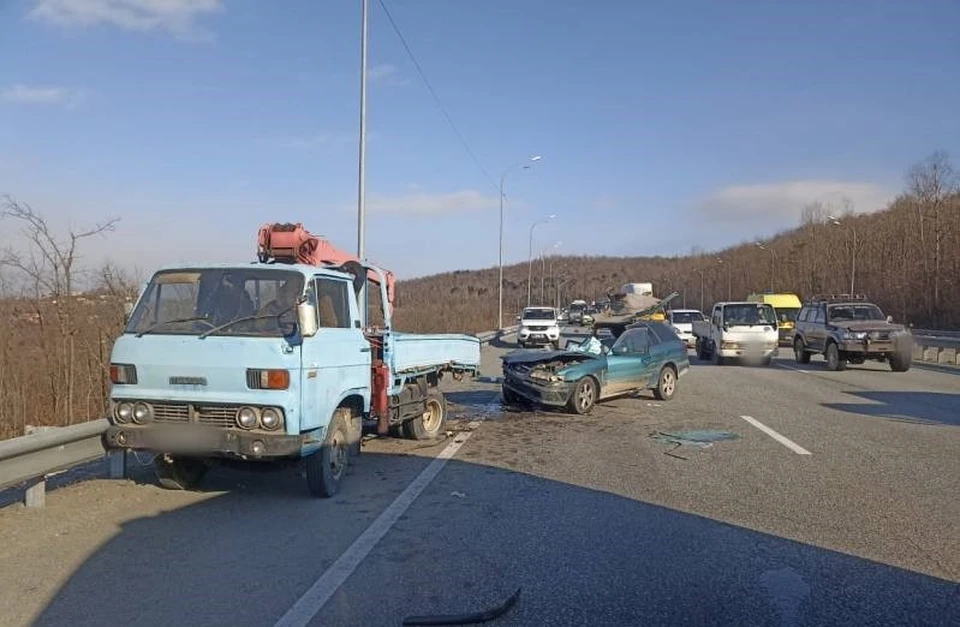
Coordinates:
(900, 362)
(834, 361)
(353, 423)
(800, 353)
(179, 473)
(431, 423)
(584, 396)
(327, 467)
(717, 357)
(667, 384)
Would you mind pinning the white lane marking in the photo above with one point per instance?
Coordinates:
(795, 369)
(308, 605)
(790, 444)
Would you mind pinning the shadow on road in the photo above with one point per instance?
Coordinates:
(936, 408)
(477, 532)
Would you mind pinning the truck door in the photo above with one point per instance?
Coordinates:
(818, 330)
(336, 361)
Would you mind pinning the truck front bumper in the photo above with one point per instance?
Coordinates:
(202, 441)
(874, 348)
(749, 353)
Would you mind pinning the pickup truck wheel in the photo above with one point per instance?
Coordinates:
(800, 353)
(327, 467)
(179, 473)
(900, 362)
(667, 384)
(429, 425)
(834, 361)
(584, 396)
(717, 357)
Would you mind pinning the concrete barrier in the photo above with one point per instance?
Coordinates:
(947, 356)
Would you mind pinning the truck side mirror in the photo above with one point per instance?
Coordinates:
(889, 318)
(307, 319)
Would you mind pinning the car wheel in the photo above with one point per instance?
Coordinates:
(717, 357)
(834, 361)
(584, 396)
(667, 384)
(800, 353)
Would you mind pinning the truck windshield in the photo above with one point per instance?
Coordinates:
(840, 313)
(786, 314)
(749, 315)
(197, 301)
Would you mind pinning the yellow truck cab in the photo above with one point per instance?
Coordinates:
(787, 307)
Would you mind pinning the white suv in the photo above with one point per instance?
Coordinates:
(539, 327)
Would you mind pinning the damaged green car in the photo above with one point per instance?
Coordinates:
(647, 356)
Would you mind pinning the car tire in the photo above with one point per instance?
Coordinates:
(767, 361)
(800, 353)
(584, 396)
(327, 467)
(835, 361)
(179, 473)
(428, 428)
(716, 356)
(666, 384)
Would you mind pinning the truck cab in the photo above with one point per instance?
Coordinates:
(738, 330)
(269, 362)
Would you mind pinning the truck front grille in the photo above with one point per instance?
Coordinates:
(210, 415)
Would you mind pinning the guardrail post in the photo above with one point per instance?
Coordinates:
(948, 355)
(930, 353)
(36, 494)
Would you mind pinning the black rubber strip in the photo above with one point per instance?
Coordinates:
(465, 619)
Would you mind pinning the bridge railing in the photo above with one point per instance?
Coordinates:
(31, 458)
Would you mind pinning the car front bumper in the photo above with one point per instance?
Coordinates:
(553, 393)
(200, 441)
(539, 338)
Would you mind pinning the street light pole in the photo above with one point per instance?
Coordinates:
(773, 262)
(530, 253)
(853, 256)
(362, 159)
(534, 158)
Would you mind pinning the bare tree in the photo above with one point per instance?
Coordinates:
(932, 182)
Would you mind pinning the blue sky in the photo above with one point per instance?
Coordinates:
(662, 125)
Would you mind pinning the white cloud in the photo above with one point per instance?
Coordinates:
(178, 17)
(432, 204)
(775, 202)
(46, 95)
(387, 74)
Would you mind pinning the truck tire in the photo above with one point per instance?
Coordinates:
(717, 357)
(800, 352)
(900, 362)
(326, 468)
(835, 361)
(431, 423)
(179, 473)
(584, 396)
(666, 384)
(354, 426)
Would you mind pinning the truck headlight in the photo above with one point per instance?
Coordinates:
(123, 412)
(142, 413)
(270, 419)
(247, 418)
(855, 335)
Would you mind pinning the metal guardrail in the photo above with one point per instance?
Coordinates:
(30, 458)
(934, 333)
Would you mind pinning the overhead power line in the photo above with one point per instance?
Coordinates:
(436, 98)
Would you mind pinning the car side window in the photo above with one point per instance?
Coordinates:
(333, 305)
(802, 316)
(820, 319)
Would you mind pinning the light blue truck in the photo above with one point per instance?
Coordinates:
(273, 362)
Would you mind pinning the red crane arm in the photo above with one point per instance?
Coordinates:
(291, 243)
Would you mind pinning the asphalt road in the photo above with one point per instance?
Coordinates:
(835, 503)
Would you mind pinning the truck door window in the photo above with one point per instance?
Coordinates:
(820, 319)
(333, 306)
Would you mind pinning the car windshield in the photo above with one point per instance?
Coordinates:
(749, 314)
(196, 301)
(686, 317)
(538, 314)
(841, 313)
